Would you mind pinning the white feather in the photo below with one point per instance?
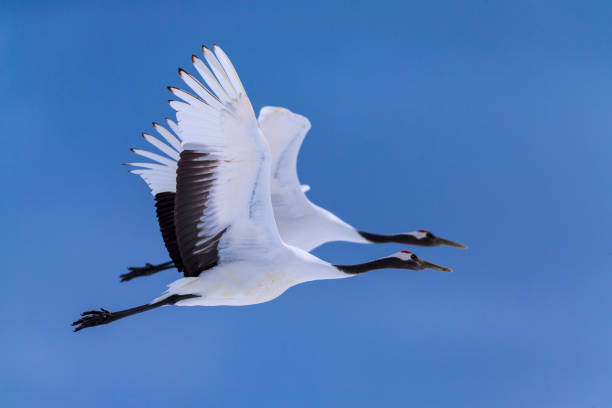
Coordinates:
(170, 138)
(161, 146)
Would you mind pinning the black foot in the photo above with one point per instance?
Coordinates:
(103, 316)
(93, 318)
(146, 270)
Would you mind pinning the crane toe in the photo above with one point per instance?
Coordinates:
(93, 318)
(148, 269)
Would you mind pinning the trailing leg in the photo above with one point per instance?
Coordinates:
(98, 317)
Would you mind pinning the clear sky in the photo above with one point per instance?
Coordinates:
(487, 123)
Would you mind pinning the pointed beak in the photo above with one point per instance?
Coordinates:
(442, 241)
(429, 265)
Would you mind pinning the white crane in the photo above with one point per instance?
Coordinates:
(301, 223)
(220, 227)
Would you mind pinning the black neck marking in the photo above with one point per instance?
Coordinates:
(383, 263)
(396, 238)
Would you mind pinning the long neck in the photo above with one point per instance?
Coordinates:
(383, 263)
(396, 238)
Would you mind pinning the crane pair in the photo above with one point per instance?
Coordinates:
(232, 212)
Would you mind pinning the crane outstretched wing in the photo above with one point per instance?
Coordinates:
(222, 207)
(285, 132)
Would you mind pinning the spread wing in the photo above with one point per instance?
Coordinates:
(212, 190)
(285, 132)
(222, 208)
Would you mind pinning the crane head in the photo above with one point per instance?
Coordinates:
(425, 238)
(408, 260)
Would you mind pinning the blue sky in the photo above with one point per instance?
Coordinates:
(486, 123)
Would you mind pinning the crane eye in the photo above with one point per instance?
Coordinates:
(413, 257)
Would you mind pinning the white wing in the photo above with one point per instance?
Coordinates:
(285, 132)
(222, 209)
(300, 222)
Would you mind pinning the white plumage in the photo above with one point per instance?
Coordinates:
(215, 203)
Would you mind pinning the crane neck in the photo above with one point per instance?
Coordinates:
(406, 239)
(382, 263)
